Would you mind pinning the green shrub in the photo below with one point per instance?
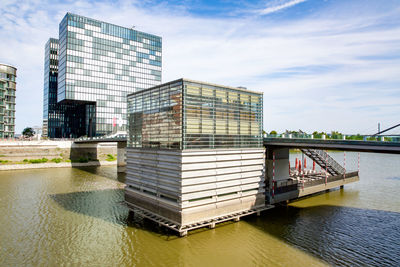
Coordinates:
(83, 160)
(56, 160)
(110, 157)
(42, 160)
(25, 160)
(35, 161)
(3, 161)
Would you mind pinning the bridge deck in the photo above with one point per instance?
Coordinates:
(345, 145)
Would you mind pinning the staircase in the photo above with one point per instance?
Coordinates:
(324, 161)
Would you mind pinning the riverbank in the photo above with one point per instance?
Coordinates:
(27, 166)
(42, 154)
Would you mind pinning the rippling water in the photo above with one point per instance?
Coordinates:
(66, 216)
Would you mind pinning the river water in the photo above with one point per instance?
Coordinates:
(64, 217)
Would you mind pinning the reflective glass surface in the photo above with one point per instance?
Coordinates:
(192, 115)
(67, 119)
(155, 117)
(100, 63)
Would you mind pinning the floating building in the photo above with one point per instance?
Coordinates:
(8, 76)
(195, 153)
(90, 70)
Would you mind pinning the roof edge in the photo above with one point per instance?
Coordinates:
(200, 82)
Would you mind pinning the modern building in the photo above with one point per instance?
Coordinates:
(59, 120)
(8, 76)
(195, 153)
(98, 65)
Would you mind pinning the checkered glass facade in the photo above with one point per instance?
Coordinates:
(99, 64)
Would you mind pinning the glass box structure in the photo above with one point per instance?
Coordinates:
(8, 76)
(98, 65)
(185, 114)
(195, 154)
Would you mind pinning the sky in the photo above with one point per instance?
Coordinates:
(323, 65)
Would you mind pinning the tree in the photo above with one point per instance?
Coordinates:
(273, 132)
(28, 132)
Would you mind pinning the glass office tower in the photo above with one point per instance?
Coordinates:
(99, 64)
(8, 76)
(195, 153)
(59, 119)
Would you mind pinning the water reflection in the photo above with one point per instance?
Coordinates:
(73, 217)
(102, 204)
(108, 172)
(338, 235)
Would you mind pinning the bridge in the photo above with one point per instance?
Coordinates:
(368, 143)
(119, 137)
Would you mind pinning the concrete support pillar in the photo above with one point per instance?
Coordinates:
(281, 167)
(121, 157)
(236, 219)
(211, 226)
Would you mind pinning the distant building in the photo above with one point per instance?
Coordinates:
(195, 151)
(97, 65)
(8, 76)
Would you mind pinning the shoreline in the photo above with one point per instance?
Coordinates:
(11, 167)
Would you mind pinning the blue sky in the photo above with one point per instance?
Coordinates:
(322, 64)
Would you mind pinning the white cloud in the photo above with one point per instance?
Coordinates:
(315, 72)
(276, 8)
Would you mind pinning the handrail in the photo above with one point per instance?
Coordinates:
(325, 161)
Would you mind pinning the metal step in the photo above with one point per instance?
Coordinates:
(324, 160)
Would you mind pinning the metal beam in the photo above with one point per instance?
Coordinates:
(344, 145)
(388, 129)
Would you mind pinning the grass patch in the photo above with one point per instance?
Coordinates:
(111, 157)
(42, 160)
(4, 161)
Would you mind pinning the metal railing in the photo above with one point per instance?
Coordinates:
(294, 187)
(325, 161)
(350, 137)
